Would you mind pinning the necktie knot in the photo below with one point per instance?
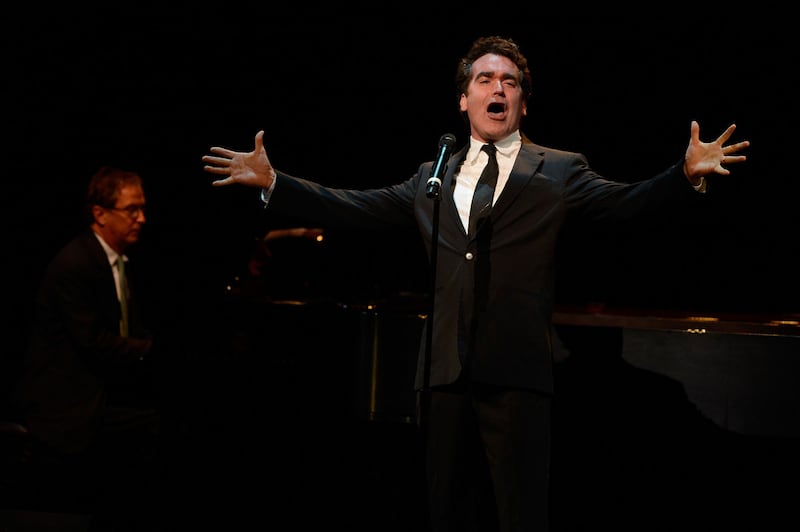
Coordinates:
(490, 149)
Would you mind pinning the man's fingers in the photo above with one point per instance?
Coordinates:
(222, 182)
(695, 131)
(738, 146)
(217, 170)
(726, 134)
(218, 161)
(225, 152)
(729, 159)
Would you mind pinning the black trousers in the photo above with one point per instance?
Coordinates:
(488, 459)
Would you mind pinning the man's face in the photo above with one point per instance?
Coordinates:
(121, 224)
(494, 101)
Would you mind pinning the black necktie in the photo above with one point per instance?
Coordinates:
(484, 190)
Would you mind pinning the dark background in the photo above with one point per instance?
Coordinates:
(359, 99)
(354, 98)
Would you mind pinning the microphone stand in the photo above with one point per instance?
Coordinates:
(425, 399)
(434, 185)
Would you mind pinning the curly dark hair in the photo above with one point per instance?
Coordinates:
(493, 45)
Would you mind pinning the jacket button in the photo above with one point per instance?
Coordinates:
(469, 256)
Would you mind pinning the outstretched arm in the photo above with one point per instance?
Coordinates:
(704, 158)
(246, 168)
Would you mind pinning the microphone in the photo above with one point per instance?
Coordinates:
(446, 143)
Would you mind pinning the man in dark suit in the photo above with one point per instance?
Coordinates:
(84, 392)
(487, 417)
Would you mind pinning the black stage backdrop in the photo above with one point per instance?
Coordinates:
(352, 98)
(359, 99)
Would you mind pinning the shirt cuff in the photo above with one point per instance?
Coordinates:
(701, 187)
(266, 193)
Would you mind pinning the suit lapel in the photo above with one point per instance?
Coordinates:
(450, 212)
(528, 160)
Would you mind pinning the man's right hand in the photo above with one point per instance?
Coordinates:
(246, 168)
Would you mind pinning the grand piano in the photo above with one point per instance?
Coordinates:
(660, 414)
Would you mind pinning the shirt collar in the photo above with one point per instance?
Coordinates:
(505, 147)
(110, 253)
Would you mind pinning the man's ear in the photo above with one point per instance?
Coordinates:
(99, 215)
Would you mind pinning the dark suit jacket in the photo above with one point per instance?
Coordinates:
(505, 273)
(75, 348)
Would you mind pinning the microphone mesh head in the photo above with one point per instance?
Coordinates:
(448, 139)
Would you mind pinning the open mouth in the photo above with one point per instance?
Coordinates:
(496, 108)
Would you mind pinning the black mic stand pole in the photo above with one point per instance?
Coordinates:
(446, 143)
(425, 399)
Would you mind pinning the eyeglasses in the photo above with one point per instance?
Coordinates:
(133, 211)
